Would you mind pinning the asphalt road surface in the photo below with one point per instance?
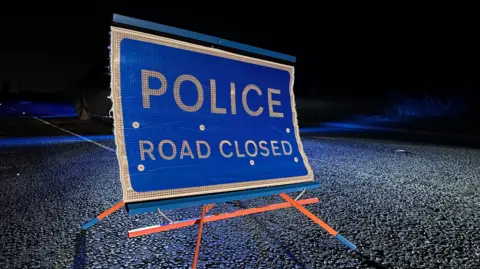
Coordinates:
(403, 205)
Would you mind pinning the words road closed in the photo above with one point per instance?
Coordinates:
(168, 150)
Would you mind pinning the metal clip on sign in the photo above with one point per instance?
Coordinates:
(178, 150)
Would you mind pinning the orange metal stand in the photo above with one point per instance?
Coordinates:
(204, 219)
(199, 237)
(239, 213)
(103, 215)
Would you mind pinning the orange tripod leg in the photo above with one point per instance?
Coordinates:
(199, 237)
(103, 215)
(238, 213)
(209, 207)
(318, 221)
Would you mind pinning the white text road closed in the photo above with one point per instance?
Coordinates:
(169, 150)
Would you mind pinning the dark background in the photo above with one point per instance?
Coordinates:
(361, 53)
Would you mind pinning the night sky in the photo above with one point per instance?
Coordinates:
(361, 49)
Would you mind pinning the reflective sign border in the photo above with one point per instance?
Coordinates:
(129, 195)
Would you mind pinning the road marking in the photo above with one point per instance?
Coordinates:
(69, 132)
(74, 134)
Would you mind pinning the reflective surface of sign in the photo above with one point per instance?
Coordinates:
(193, 120)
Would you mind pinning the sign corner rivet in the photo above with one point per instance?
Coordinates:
(141, 167)
(252, 162)
(136, 124)
(295, 159)
(288, 130)
(202, 127)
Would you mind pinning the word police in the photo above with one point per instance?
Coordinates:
(200, 149)
(148, 92)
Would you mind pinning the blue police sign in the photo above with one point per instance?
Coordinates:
(193, 120)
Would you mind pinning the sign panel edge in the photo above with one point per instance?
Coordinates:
(118, 34)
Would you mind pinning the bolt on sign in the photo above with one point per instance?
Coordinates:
(192, 120)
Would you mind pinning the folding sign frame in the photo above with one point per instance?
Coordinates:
(207, 201)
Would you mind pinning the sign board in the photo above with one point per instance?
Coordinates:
(192, 120)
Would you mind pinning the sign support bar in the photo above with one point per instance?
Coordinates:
(211, 199)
